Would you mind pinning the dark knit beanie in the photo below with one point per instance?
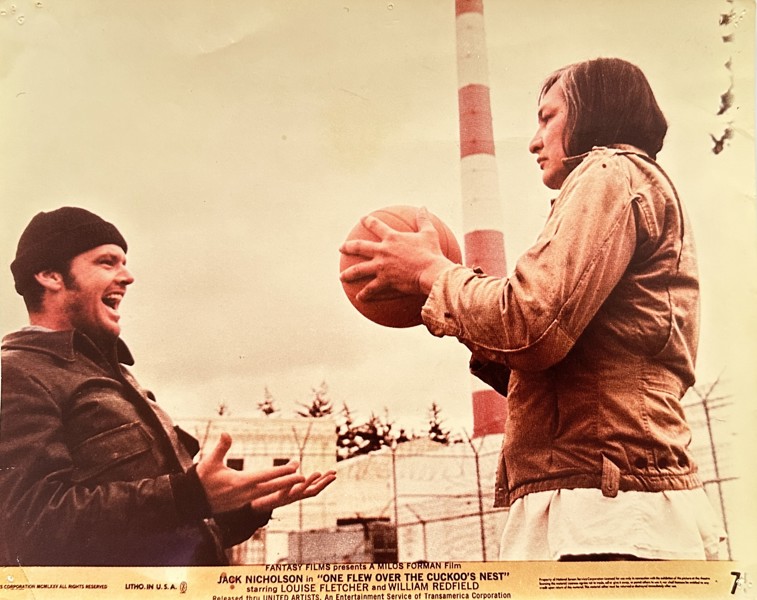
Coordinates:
(54, 237)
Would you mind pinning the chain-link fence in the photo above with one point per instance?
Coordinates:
(710, 416)
(418, 501)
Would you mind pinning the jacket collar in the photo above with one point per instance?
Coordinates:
(62, 344)
(573, 161)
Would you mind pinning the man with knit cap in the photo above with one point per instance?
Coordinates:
(92, 471)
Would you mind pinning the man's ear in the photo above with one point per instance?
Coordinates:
(52, 281)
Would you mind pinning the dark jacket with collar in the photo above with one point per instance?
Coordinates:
(92, 471)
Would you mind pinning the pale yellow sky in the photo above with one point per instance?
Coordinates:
(235, 145)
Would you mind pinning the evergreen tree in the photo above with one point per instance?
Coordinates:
(371, 435)
(436, 432)
(267, 405)
(320, 406)
(346, 446)
(403, 437)
(376, 433)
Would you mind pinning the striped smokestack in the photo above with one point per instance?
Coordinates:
(482, 209)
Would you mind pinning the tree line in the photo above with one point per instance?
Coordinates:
(354, 438)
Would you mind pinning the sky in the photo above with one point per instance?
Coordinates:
(236, 144)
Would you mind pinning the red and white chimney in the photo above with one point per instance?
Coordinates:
(482, 209)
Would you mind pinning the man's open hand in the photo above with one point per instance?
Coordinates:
(228, 489)
(312, 486)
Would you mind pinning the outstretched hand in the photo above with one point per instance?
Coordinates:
(312, 486)
(408, 262)
(228, 489)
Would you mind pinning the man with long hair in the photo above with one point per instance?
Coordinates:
(593, 337)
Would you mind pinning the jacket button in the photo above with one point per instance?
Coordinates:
(663, 463)
(640, 463)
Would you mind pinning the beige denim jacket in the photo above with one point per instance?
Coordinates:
(599, 325)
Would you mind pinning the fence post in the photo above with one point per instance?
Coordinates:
(482, 524)
(301, 450)
(396, 495)
(423, 530)
(705, 400)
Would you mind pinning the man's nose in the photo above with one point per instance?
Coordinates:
(125, 277)
(535, 144)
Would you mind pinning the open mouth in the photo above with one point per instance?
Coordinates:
(113, 300)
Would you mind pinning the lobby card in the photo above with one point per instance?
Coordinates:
(237, 145)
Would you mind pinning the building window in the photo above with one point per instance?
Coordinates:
(235, 463)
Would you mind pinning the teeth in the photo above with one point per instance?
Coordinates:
(112, 300)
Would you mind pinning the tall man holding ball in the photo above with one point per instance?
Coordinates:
(593, 337)
(92, 470)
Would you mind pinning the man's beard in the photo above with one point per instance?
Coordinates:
(104, 339)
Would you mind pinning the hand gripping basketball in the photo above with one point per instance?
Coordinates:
(392, 307)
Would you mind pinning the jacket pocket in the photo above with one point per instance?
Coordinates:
(111, 450)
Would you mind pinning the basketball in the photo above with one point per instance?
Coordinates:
(395, 309)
